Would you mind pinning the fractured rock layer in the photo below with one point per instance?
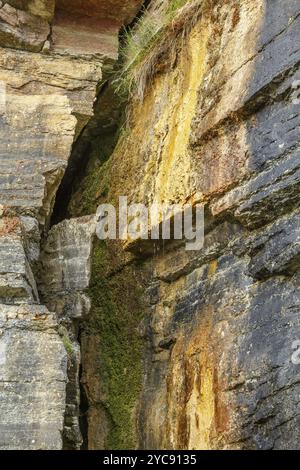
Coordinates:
(64, 276)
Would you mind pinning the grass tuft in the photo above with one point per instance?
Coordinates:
(151, 41)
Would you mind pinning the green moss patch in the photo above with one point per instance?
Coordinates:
(66, 340)
(93, 190)
(116, 315)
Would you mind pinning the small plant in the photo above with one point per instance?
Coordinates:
(176, 5)
(137, 45)
(153, 36)
(66, 340)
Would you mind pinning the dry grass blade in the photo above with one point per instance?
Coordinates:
(153, 38)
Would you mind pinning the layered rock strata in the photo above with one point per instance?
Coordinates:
(152, 346)
(218, 126)
(63, 278)
(53, 55)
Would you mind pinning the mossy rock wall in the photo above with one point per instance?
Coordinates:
(113, 348)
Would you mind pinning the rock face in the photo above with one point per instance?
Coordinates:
(32, 378)
(220, 126)
(52, 58)
(152, 346)
(33, 359)
(65, 264)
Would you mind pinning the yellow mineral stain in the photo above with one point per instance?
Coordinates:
(170, 161)
(213, 265)
(175, 162)
(201, 410)
(191, 392)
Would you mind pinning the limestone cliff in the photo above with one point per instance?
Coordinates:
(150, 346)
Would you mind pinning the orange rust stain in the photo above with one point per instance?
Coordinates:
(9, 225)
(235, 17)
(221, 410)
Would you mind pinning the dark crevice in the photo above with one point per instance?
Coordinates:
(135, 20)
(76, 168)
(106, 120)
(83, 413)
(92, 148)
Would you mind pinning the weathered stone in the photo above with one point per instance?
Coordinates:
(17, 280)
(14, 288)
(85, 35)
(44, 95)
(65, 270)
(66, 257)
(32, 373)
(220, 127)
(116, 11)
(32, 238)
(51, 61)
(255, 63)
(178, 350)
(46, 128)
(277, 250)
(42, 8)
(269, 194)
(22, 30)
